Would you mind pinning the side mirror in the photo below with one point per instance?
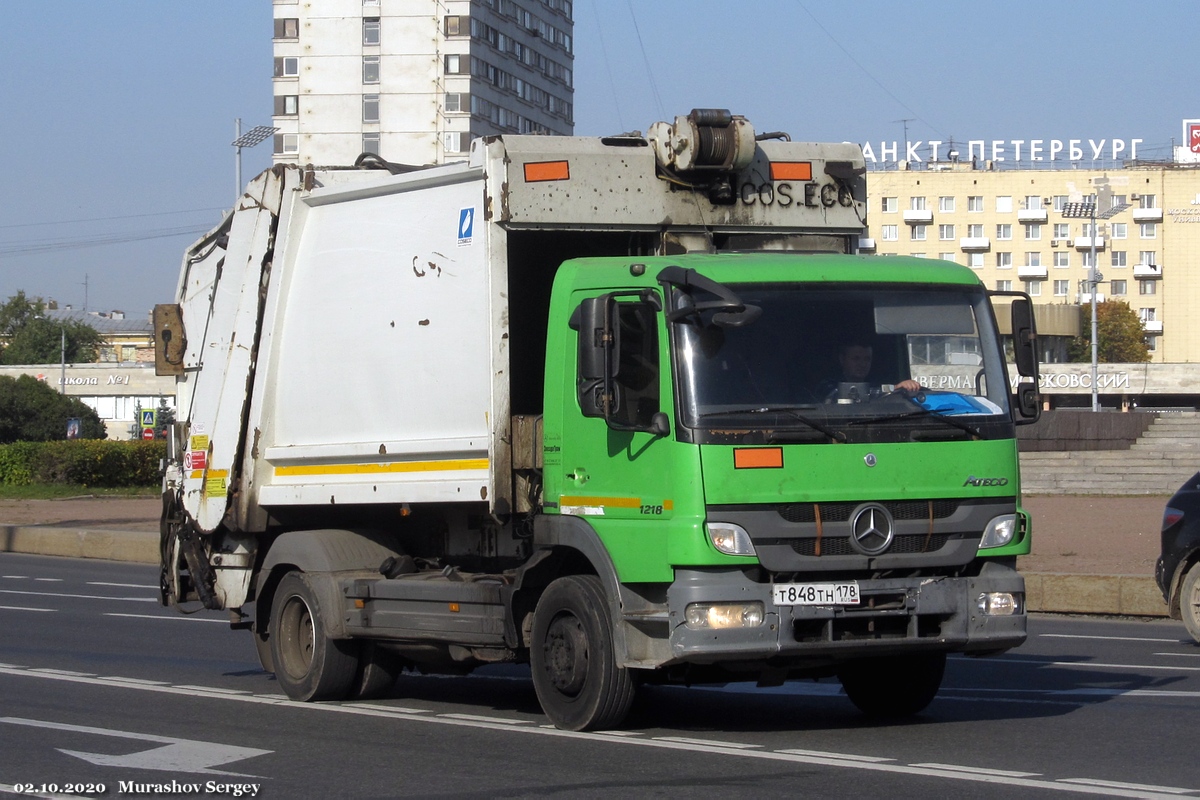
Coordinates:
(1024, 338)
(598, 339)
(1029, 401)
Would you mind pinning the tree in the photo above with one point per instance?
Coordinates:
(31, 338)
(31, 411)
(1120, 334)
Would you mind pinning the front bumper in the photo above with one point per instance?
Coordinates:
(896, 615)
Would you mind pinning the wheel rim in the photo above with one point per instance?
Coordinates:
(298, 638)
(566, 654)
(1192, 602)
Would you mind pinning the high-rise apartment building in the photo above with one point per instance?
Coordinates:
(415, 80)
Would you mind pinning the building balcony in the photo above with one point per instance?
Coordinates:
(1085, 242)
(1031, 273)
(866, 245)
(1147, 215)
(1147, 271)
(1031, 215)
(975, 243)
(1152, 325)
(924, 217)
(1085, 298)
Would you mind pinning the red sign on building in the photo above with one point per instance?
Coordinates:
(1193, 129)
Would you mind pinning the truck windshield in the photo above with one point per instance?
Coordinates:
(846, 363)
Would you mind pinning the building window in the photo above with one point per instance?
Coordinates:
(370, 69)
(1149, 230)
(916, 203)
(890, 233)
(1146, 314)
(1147, 258)
(1033, 259)
(1033, 232)
(1059, 201)
(889, 205)
(918, 255)
(455, 141)
(1004, 232)
(1119, 288)
(1062, 260)
(370, 108)
(946, 204)
(1033, 288)
(975, 231)
(918, 233)
(457, 26)
(1061, 288)
(1148, 201)
(1086, 255)
(1147, 287)
(975, 203)
(287, 28)
(371, 31)
(287, 105)
(1003, 286)
(1032, 202)
(1151, 343)
(1119, 230)
(1004, 204)
(286, 143)
(975, 260)
(1062, 230)
(1003, 260)
(458, 102)
(457, 65)
(946, 233)
(287, 67)
(948, 257)
(1117, 259)
(370, 143)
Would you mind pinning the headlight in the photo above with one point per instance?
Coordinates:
(715, 616)
(999, 531)
(1000, 604)
(730, 538)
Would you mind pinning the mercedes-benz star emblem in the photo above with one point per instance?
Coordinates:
(871, 529)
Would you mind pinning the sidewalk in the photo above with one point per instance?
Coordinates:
(1091, 554)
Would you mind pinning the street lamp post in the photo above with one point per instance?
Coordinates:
(254, 136)
(1086, 209)
(62, 377)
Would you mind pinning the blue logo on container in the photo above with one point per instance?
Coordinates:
(466, 225)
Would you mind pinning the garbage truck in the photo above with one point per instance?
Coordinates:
(579, 403)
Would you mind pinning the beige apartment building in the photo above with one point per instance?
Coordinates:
(1008, 225)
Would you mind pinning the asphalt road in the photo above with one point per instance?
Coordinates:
(101, 686)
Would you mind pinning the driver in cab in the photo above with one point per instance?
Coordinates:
(854, 359)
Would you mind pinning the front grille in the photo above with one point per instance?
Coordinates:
(840, 545)
(841, 511)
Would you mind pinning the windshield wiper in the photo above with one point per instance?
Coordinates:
(791, 411)
(919, 413)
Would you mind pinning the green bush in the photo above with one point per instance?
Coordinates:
(84, 462)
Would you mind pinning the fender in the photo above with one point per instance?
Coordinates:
(321, 554)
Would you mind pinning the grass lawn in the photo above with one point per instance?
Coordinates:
(58, 491)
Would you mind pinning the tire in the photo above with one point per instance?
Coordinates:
(1189, 602)
(377, 672)
(262, 645)
(308, 664)
(575, 672)
(893, 686)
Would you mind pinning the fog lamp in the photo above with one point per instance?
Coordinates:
(730, 538)
(1000, 604)
(999, 531)
(715, 616)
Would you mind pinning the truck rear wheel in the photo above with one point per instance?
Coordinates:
(308, 664)
(893, 686)
(1189, 601)
(575, 672)
(377, 672)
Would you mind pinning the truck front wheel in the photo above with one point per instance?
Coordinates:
(308, 664)
(893, 686)
(1189, 601)
(575, 673)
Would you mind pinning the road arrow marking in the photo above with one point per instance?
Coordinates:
(176, 755)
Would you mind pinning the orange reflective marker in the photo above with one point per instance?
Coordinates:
(547, 171)
(791, 170)
(758, 457)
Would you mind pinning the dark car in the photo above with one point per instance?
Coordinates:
(1178, 569)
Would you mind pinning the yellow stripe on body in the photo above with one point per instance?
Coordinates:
(377, 469)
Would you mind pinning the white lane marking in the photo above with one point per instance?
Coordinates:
(15, 577)
(1137, 787)
(143, 681)
(897, 769)
(1104, 638)
(706, 742)
(980, 770)
(173, 616)
(217, 689)
(176, 755)
(67, 672)
(839, 756)
(1185, 655)
(49, 580)
(26, 608)
(392, 709)
(1091, 664)
(82, 596)
(478, 718)
(124, 585)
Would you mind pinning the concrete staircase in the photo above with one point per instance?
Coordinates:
(1158, 463)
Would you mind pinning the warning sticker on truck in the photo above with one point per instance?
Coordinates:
(466, 226)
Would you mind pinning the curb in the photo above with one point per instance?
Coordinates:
(1049, 592)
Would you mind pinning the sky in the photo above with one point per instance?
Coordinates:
(116, 117)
